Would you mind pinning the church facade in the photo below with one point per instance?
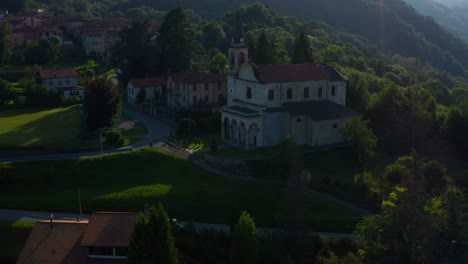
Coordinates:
(268, 103)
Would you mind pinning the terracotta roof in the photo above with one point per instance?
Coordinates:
(191, 76)
(148, 82)
(109, 229)
(57, 73)
(333, 74)
(319, 110)
(289, 72)
(58, 245)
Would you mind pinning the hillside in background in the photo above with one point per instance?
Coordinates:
(392, 25)
(453, 18)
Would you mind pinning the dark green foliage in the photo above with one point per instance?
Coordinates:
(403, 118)
(7, 92)
(152, 240)
(134, 50)
(244, 241)
(38, 96)
(5, 42)
(103, 104)
(457, 128)
(362, 138)
(114, 136)
(175, 41)
(213, 36)
(219, 64)
(42, 52)
(302, 49)
(14, 6)
(412, 224)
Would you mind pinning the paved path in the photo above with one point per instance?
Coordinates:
(34, 216)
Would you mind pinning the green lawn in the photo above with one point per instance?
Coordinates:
(128, 181)
(30, 128)
(13, 236)
(56, 128)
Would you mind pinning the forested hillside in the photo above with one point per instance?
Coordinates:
(452, 18)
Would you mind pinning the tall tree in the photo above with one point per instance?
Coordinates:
(175, 41)
(151, 240)
(413, 222)
(7, 92)
(302, 49)
(164, 249)
(244, 241)
(139, 250)
(264, 50)
(133, 51)
(219, 64)
(362, 138)
(5, 42)
(103, 104)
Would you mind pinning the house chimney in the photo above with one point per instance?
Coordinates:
(51, 221)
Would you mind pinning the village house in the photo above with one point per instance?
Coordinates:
(193, 88)
(61, 80)
(154, 89)
(268, 103)
(102, 239)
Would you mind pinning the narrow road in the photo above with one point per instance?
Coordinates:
(34, 216)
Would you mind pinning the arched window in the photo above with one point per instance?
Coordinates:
(320, 92)
(333, 90)
(248, 93)
(232, 59)
(241, 58)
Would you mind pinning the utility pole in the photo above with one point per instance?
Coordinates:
(100, 139)
(79, 199)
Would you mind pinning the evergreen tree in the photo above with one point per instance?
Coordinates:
(7, 92)
(244, 241)
(139, 250)
(162, 242)
(5, 42)
(103, 104)
(264, 50)
(302, 49)
(151, 240)
(175, 41)
(134, 51)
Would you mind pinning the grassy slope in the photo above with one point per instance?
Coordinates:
(13, 236)
(128, 181)
(54, 128)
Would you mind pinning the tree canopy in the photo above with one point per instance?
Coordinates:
(103, 104)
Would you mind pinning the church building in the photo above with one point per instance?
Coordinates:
(268, 103)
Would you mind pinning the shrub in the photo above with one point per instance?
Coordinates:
(114, 136)
(326, 180)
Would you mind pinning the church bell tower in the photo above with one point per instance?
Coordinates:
(238, 49)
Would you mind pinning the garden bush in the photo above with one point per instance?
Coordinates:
(114, 136)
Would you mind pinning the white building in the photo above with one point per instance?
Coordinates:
(190, 88)
(269, 103)
(154, 89)
(61, 80)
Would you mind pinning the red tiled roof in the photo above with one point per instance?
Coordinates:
(148, 82)
(191, 76)
(289, 73)
(57, 73)
(58, 245)
(109, 229)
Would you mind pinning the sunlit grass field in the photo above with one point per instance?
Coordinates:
(31, 128)
(125, 182)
